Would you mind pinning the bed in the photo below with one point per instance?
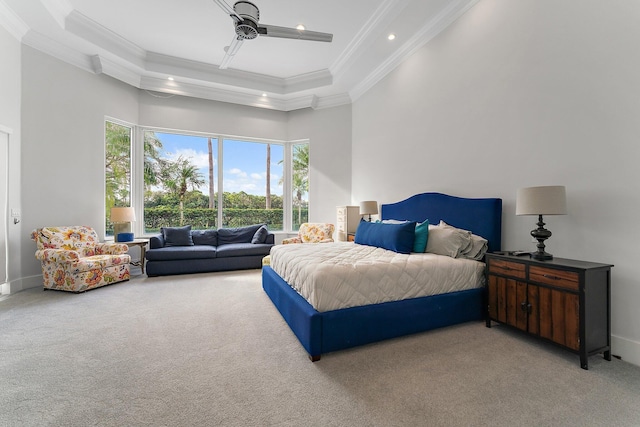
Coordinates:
(322, 332)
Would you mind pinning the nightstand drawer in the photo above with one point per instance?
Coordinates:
(507, 268)
(559, 278)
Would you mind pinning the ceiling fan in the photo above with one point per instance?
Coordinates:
(246, 16)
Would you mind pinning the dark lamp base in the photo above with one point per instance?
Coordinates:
(541, 256)
(541, 234)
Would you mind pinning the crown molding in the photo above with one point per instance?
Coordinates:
(434, 27)
(89, 30)
(211, 93)
(333, 101)
(102, 65)
(308, 81)
(57, 50)
(12, 22)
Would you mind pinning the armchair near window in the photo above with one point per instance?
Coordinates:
(318, 232)
(74, 260)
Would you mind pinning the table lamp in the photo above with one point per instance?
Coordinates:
(548, 200)
(122, 219)
(369, 207)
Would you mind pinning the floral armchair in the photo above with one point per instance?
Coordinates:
(74, 260)
(312, 233)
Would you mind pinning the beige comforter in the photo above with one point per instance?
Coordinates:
(338, 275)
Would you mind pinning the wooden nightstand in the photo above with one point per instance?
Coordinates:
(564, 301)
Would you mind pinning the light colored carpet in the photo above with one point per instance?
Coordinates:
(211, 349)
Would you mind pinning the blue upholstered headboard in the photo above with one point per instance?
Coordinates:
(480, 216)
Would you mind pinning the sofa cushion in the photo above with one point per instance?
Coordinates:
(205, 237)
(243, 249)
(237, 235)
(169, 253)
(177, 236)
(261, 235)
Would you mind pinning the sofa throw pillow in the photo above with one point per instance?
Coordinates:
(394, 237)
(205, 237)
(237, 235)
(177, 236)
(260, 235)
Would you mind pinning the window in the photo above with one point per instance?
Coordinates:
(300, 184)
(179, 185)
(209, 181)
(250, 196)
(118, 138)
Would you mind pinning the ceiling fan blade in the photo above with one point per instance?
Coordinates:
(293, 33)
(228, 10)
(231, 51)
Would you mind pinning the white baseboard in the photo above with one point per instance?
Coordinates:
(627, 349)
(23, 283)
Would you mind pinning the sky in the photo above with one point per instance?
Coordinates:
(244, 163)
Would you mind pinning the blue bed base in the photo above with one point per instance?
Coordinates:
(329, 331)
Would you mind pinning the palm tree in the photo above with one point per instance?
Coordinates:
(212, 203)
(177, 177)
(153, 161)
(117, 164)
(300, 175)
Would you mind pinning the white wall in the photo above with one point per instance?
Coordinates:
(517, 94)
(63, 142)
(63, 112)
(329, 133)
(10, 118)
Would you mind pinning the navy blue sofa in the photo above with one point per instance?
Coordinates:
(180, 250)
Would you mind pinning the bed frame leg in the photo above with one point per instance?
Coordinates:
(314, 358)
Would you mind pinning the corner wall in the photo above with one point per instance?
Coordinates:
(518, 94)
(10, 116)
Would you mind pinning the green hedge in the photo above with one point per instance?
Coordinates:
(203, 218)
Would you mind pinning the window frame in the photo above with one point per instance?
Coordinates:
(137, 171)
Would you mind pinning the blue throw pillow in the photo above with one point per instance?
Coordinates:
(260, 236)
(394, 237)
(237, 235)
(205, 237)
(422, 235)
(177, 236)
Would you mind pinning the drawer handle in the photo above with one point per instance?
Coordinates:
(552, 277)
(526, 307)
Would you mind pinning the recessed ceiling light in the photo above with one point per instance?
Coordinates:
(264, 95)
(170, 78)
(391, 36)
(300, 27)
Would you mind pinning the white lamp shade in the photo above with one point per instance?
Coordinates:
(547, 200)
(123, 215)
(369, 207)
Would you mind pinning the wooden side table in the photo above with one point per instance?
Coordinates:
(565, 301)
(142, 244)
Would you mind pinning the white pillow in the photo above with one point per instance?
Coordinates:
(476, 249)
(447, 240)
